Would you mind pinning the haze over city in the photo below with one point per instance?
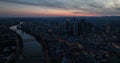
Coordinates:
(59, 31)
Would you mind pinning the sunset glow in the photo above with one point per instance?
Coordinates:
(59, 8)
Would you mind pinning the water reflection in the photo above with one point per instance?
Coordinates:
(32, 51)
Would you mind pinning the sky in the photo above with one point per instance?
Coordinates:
(43, 8)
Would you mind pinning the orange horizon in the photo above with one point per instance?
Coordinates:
(49, 13)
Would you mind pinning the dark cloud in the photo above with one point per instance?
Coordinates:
(95, 5)
(36, 3)
(118, 9)
(92, 6)
(77, 12)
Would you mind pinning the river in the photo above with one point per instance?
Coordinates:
(32, 49)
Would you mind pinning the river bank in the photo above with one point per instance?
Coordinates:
(32, 50)
(44, 45)
(10, 45)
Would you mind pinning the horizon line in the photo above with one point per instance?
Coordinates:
(49, 16)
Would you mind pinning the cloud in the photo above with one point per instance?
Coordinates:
(107, 7)
(118, 9)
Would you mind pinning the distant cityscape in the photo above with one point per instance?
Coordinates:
(60, 40)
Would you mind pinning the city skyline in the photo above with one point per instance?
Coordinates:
(48, 8)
